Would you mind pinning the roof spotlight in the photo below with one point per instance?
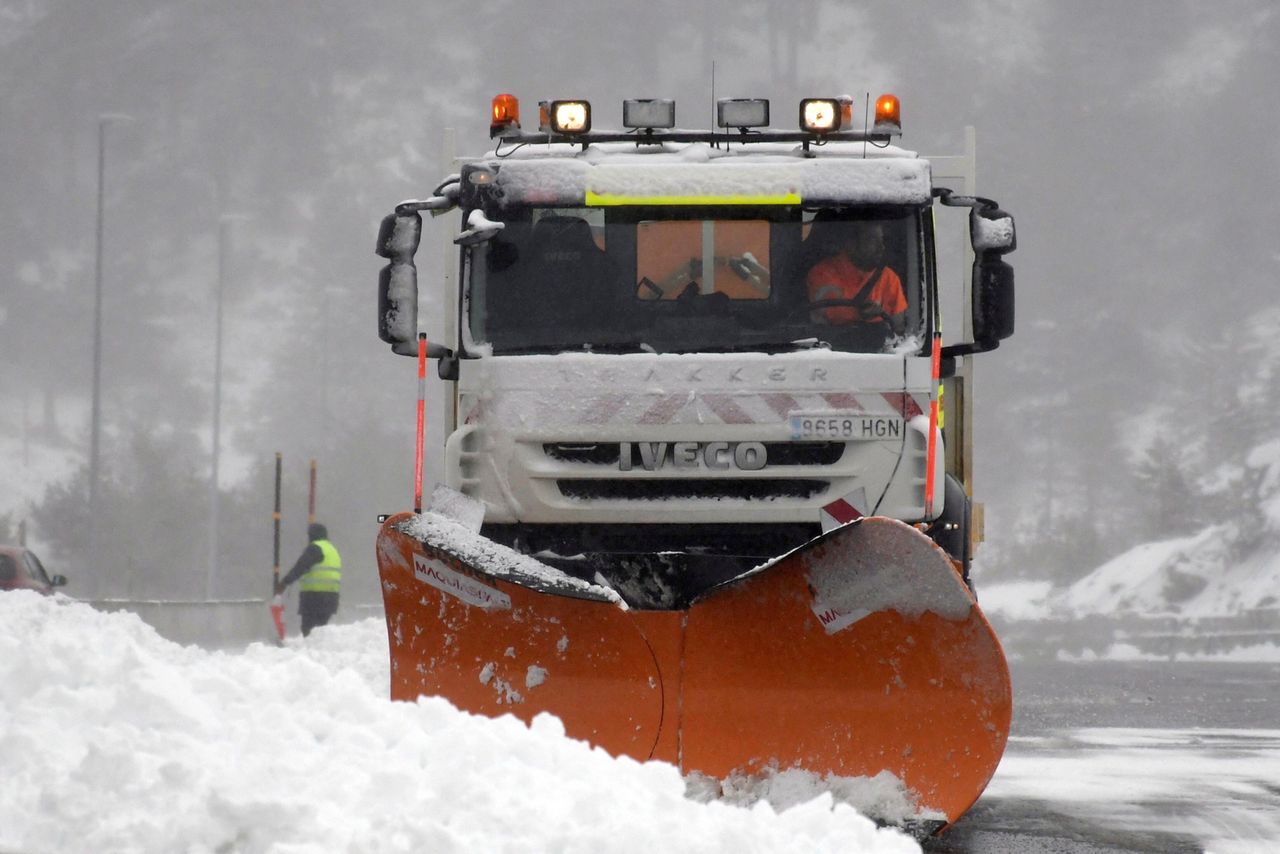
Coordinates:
(570, 117)
(820, 115)
(742, 112)
(649, 113)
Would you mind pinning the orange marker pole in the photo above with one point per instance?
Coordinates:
(932, 453)
(277, 601)
(422, 421)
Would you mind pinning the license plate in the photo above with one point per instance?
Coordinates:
(848, 427)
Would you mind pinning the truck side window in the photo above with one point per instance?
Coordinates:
(856, 259)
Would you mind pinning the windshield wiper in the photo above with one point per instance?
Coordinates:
(560, 347)
(763, 345)
(769, 345)
(617, 347)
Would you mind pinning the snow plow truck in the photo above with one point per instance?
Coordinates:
(708, 464)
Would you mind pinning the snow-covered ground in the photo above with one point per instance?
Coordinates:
(114, 739)
(1216, 786)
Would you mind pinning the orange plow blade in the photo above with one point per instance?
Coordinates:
(859, 661)
(858, 654)
(497, 645)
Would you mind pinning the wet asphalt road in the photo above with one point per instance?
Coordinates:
(1199, 741)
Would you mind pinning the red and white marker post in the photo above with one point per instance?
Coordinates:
(422, 422)
(277, 601)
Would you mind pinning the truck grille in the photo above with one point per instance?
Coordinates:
(780, 453)
(651, 489)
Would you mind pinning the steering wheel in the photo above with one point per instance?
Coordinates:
(823, 304)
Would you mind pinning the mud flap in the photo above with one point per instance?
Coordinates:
(859, 653)
(494, 646)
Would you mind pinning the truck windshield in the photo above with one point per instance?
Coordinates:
(699, 279)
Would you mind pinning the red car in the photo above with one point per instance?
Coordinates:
(20, 569)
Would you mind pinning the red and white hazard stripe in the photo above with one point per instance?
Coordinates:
(762, 408)
(844, 510)
(691, 407)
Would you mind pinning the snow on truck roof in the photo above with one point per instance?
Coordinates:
(762, 173)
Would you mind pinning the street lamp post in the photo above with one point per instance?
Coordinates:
(224, 239)
(95, 416)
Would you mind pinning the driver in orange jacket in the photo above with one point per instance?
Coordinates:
(857, 272)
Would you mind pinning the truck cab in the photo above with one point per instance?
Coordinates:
(713, 343)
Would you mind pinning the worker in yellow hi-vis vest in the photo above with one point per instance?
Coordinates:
(320, 569)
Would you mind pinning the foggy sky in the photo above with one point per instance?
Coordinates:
(1137, 144)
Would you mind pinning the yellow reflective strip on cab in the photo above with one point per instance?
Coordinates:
(595, 199)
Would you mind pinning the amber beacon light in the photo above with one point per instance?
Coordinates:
(888, 113)
(505, 114)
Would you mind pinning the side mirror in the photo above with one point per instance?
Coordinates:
(398, 239)
(992, 300)
(991, 230)
(993, 235)
(58, 581)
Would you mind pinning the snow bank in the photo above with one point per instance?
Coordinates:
(1017, 600)
(1263, 653)
(1267, 458)
(1140, 580)
(1184, 599)
(113, 739)
(1194, 576)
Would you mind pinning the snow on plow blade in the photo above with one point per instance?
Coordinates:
(856, 659)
